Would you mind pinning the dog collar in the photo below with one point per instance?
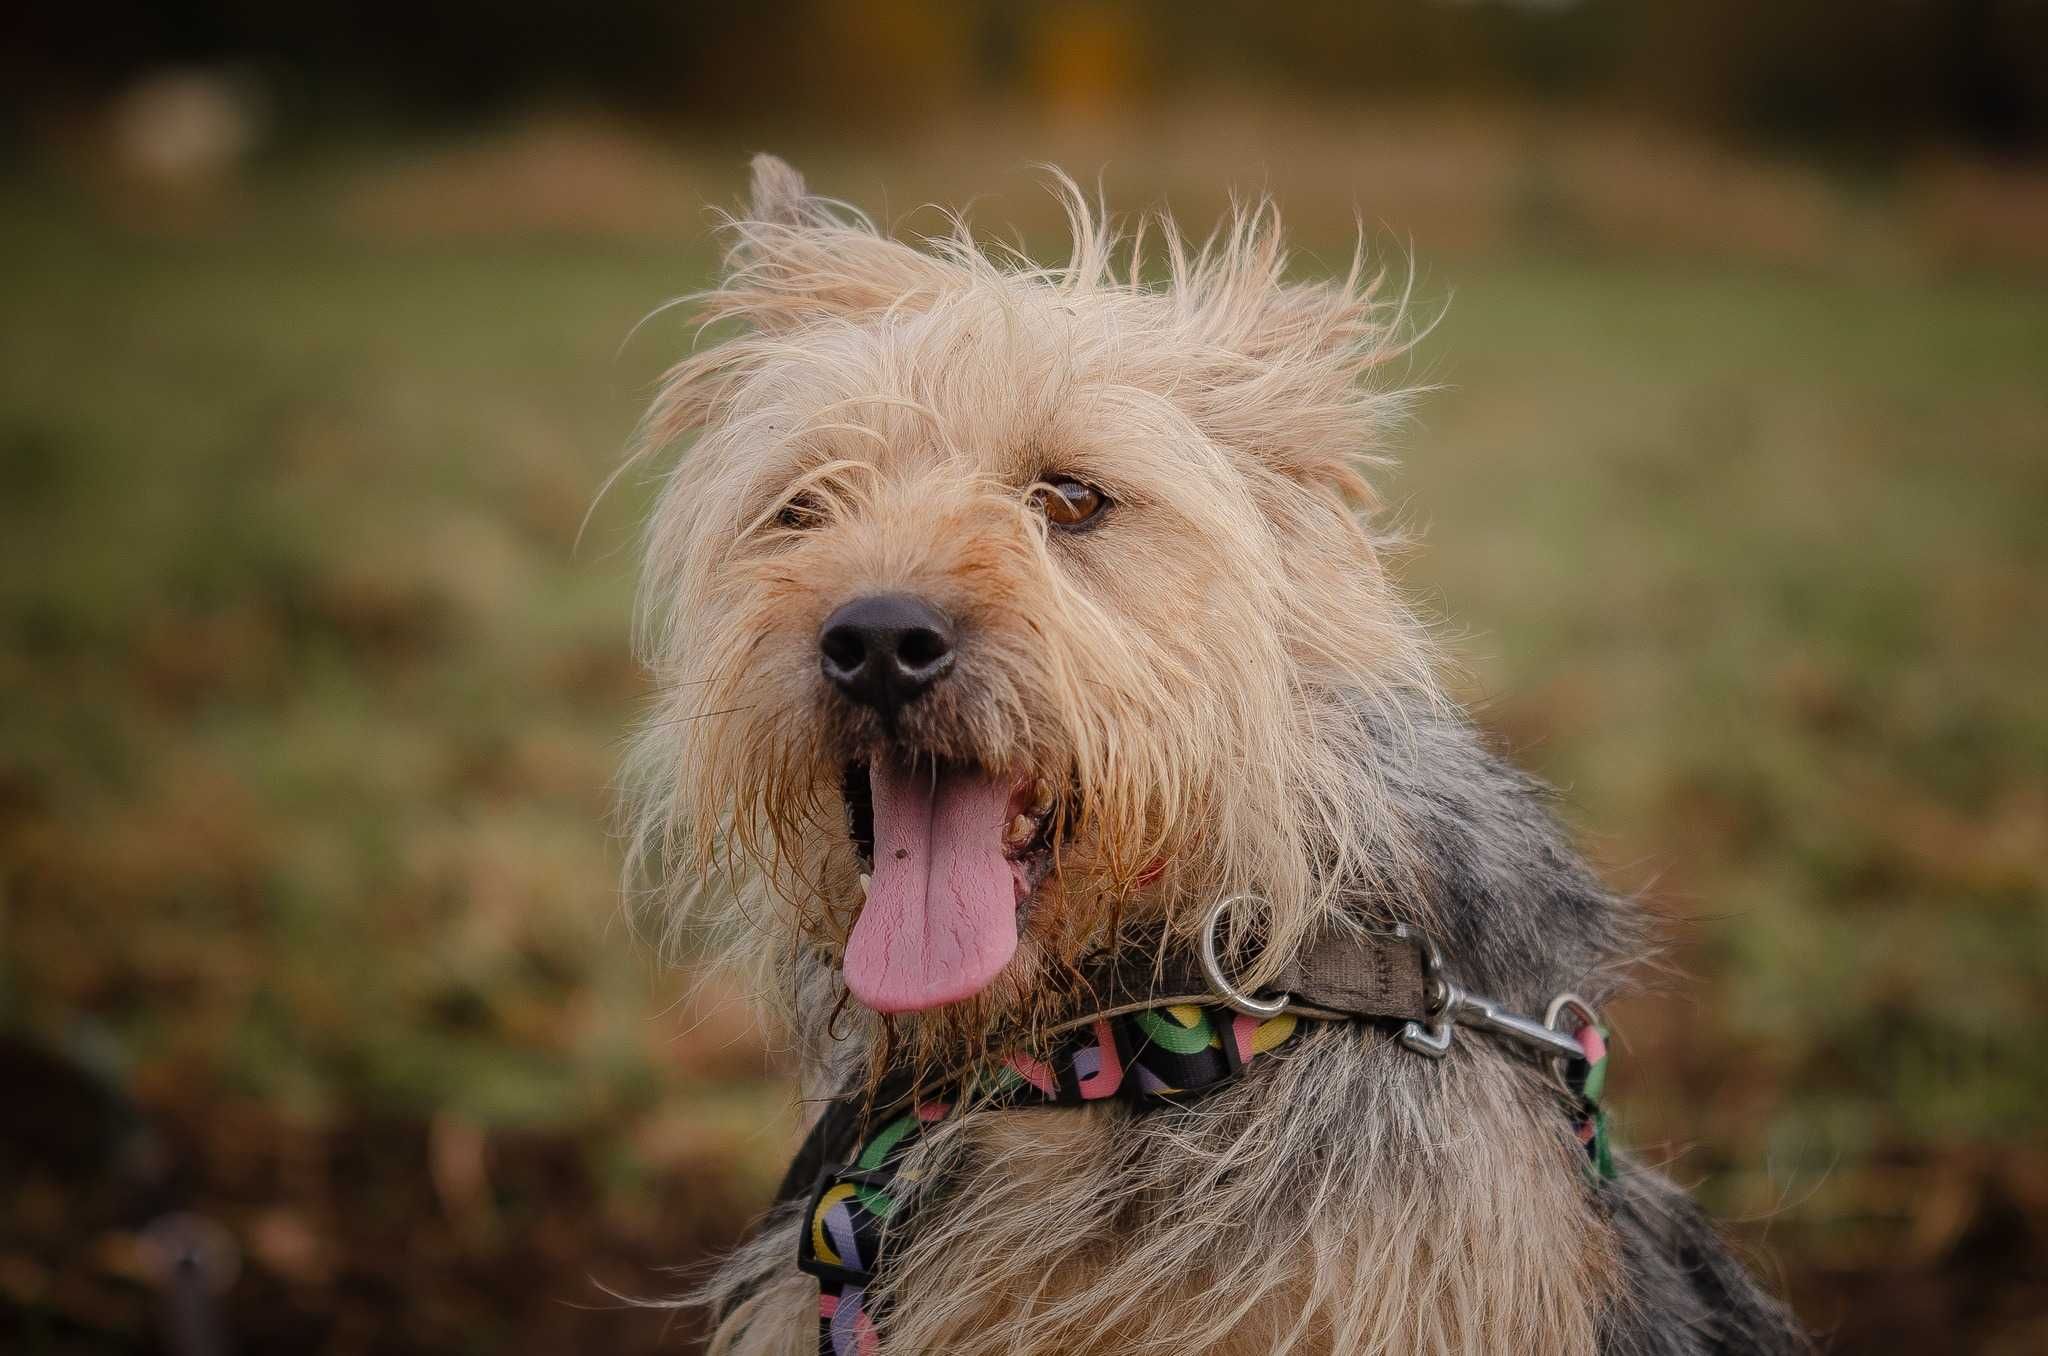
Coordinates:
(1162, 1050)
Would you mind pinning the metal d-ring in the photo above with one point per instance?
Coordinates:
(1212, 967)
(1559, 1006)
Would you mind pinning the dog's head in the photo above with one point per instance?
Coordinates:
(993, 604)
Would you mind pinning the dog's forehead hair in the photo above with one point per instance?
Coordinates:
(883, 407)
(917, 476)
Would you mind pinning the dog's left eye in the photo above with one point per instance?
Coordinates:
(799, 512)
(1067, 502)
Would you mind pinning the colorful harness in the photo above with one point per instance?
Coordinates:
(1151, 1053)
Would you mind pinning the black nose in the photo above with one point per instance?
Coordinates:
(884, 651)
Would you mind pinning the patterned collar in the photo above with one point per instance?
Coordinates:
(1151, 1056)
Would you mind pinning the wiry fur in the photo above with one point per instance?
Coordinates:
(1232, 692)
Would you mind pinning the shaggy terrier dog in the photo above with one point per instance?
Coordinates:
(1040, 724)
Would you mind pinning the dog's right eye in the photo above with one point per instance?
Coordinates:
(1068, 502)
(799, 512)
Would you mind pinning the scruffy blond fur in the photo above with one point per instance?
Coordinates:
(1233, 698)
(918, 395)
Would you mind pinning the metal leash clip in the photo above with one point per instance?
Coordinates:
(1451, 1007)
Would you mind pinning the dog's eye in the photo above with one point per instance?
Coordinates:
(800, 512)
(1067, 502)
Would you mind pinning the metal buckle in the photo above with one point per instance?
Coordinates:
(1212, 967)
(1434, 1038)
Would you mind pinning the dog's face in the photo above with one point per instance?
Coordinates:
(995, 606)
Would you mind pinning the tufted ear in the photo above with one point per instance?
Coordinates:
(1287, 367)
(793, 260)
(778, 193)
(797, 259)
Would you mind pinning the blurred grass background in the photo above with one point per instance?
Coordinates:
(314, 354)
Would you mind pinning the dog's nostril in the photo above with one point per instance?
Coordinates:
(884, 651)
(844, 647)
(922, 647)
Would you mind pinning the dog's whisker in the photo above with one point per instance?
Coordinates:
(695, 716)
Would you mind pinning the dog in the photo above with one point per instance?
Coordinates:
(1025, 642)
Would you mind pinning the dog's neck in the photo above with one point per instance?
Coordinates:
(1519, 913)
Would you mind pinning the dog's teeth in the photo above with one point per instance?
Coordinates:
(1041, 798)
(1020, 831)
(865, 881)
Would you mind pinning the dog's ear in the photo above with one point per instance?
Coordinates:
(796, 258)
(793, 260)
(778, 192)
(1290, 364)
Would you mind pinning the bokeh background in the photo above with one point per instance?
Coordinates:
(317, 342)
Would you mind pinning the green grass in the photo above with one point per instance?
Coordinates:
(309, 700)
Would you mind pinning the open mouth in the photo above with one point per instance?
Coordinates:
(955, 855)
(1027, 836)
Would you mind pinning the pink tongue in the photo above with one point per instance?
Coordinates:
(941, 916)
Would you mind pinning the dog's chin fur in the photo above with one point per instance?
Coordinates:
(1232, 697)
